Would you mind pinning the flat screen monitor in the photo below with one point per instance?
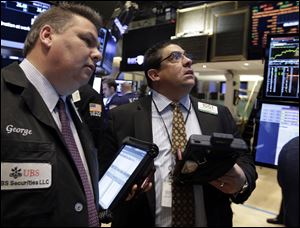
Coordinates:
(97, 84)
(270, 17)
(108, 48)
(119, 84)
(281, 75)
(7, 60)
(136, 42)
(16, 20)
(278, 123)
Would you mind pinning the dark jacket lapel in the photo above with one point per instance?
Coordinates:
(143, 120)
(143, 131)
(16, 77)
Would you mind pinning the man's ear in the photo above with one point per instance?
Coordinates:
(46, 35)
(153, 75)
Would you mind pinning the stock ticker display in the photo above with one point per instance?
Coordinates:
(274, 17)
(282, 64)
(16, 20)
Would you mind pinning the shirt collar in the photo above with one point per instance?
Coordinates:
(43, 86)
(163, 102)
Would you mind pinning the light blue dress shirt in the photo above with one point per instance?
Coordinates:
(164, 162)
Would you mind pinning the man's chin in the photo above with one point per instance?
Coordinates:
(190, 82)
(84, 79)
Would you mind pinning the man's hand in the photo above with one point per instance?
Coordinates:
(145, 187)
(231, 182)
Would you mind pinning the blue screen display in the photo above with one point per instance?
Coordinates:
(16, 20)
(278, 124)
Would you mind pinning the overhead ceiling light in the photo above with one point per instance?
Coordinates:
(250, 77)
(201, 77)
(204, 66)
(246, 64)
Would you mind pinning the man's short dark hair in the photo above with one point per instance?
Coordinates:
(153, 57)
(110, 83)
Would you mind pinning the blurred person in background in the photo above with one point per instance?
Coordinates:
(109, 88)
(288, 179)
(128, 95)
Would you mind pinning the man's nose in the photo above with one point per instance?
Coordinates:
(96, 55)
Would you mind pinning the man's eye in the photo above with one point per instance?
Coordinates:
(176, 55)
(87, 41)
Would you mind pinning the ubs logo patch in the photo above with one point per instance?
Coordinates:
(15, 173)
(23, 175)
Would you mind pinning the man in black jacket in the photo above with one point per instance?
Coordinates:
(49, 168)
(288, 179)
(170, 76)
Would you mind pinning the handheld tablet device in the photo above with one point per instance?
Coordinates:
(213, 156)
(132, 164)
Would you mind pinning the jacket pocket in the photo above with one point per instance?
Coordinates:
(30, 169)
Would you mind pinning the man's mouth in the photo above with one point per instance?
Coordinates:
(189, 72)
(91, 66)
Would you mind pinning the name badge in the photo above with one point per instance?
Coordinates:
(166, 198)
(208, 108)
(76, 96)
(16, 176)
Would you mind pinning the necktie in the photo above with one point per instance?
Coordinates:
(72, 147)
(182, 195)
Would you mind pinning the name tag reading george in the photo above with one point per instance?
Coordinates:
(25, 175)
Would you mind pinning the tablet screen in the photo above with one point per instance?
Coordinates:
(118, 173)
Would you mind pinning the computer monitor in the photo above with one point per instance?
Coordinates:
(108, 48)
(120, 82)
(137, 41)
(17, 18)
(97, 84)
(281, 74)
(7, 60)
(278, 123)
(270, 17)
